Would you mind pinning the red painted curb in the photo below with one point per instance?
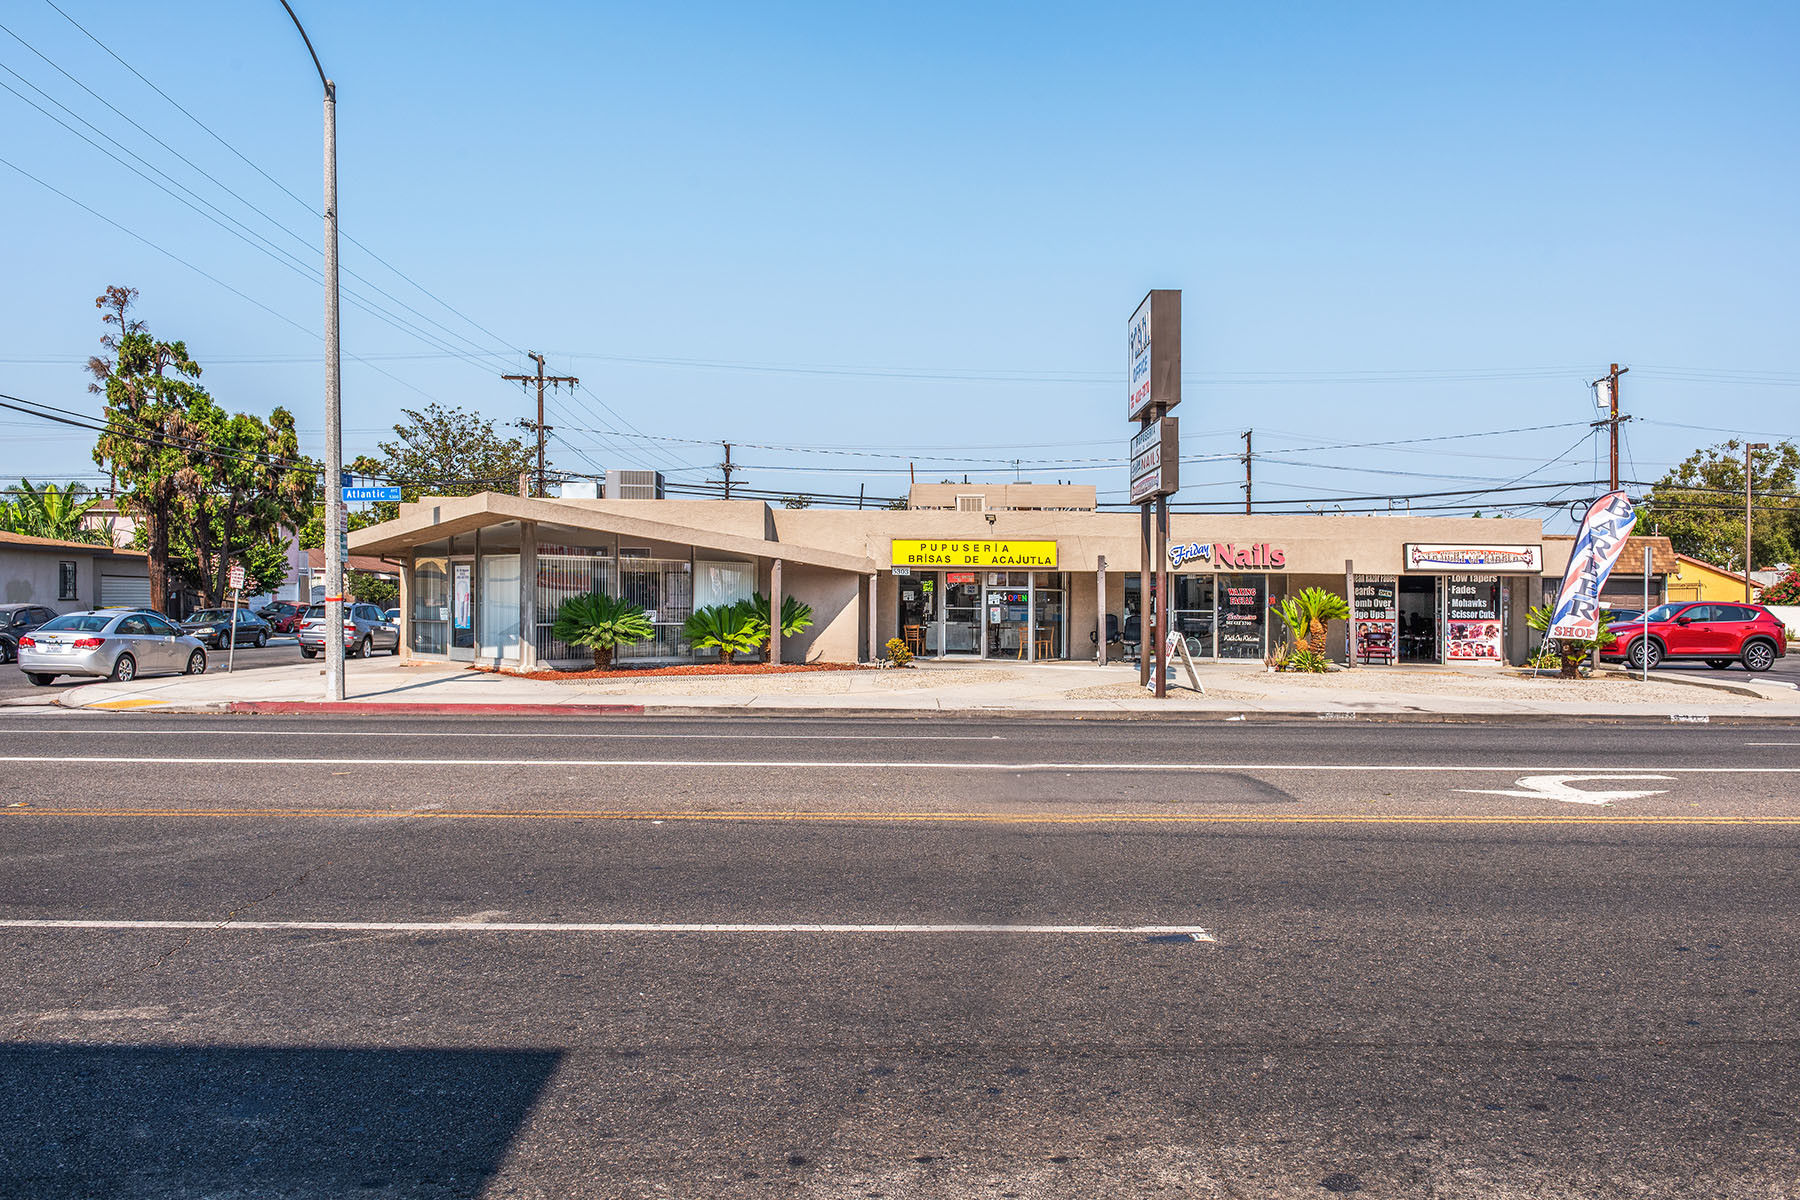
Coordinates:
(373, 709)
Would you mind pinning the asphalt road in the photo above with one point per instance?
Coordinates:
(1063, 958)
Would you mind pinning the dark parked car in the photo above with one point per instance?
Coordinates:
(213, 626)
(283, 616)
(16, 620)
(1715, 634)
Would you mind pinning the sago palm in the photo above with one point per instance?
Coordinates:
(732, 629)
(601, 623)
(1320, 606)
(796, 617)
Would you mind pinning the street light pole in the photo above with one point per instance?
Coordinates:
(334, 422)
(1749, 469)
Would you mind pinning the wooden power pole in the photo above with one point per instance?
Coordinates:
(540, 427)
(1611, 421)
(1247, 459)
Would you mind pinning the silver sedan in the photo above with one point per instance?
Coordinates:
(109, 643)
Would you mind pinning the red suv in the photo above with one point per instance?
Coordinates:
(1713, 633)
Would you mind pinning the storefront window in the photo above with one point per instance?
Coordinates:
(1193, 612)
(1376, 614)
(1243, 615)
(1473, 618)
(1416, 603)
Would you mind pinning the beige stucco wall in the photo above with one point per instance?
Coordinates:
(838, 614)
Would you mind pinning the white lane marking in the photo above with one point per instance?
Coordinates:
(1556, 787)
(552, 732)
(1772, 743)
(1195, 932)
(837, 764)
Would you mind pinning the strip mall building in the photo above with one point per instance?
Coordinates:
(1013, 572)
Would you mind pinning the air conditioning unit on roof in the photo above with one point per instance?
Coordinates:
(634, 485)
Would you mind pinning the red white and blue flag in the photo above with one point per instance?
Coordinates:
(1597, 547)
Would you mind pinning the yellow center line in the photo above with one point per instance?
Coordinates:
(1032, 818)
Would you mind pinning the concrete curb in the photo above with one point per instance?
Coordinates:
(1716, 685)
(1187, 717)
(368, 708)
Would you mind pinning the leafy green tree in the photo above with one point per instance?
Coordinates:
(1699, 505)
(448, 452)
(148, 386)
(373, 589)
(601, 623)
(49, 511)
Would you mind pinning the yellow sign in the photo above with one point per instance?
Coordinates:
(908, 553)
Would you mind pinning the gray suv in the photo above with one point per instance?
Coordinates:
(365, 631)
(120, 643)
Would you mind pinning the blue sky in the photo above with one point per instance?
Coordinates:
(918, 230)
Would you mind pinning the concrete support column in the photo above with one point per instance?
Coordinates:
(407, 584)
(528, 614)
(1100, 610)
(874, 637)
(775, 613)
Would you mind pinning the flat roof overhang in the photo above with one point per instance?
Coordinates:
(438, 517)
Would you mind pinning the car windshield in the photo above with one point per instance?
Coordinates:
(1665, 612)
(79, 623)
(206, 614)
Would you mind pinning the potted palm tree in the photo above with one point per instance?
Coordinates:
(601, 623)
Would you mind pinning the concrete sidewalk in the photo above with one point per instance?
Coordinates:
(1232, 689)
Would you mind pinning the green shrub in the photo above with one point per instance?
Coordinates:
(601, 622)
(796, 618)
(897, 653)
(732, 629)
(1309, 660)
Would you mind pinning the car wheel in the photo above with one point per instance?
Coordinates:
(6, 653)
(1644, 654)
(196, 663)
(1759, 656)
(1718, 664)
(262, 638)
(305, 653)
(365, 648)
(39, 679)
(125, 669)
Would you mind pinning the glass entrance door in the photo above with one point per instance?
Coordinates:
(962, 613)
(462, 609)
(1193, 612)
(1008, 603)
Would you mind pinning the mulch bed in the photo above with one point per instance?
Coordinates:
(688, 669)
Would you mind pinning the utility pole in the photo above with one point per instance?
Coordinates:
(1749, 475)
(1611, 421)
(542, 379)
(725, 468)
(1246, 457)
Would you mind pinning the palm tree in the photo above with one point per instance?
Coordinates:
(732, 628)
(50, 512)
(601, 622)
(1319, 606)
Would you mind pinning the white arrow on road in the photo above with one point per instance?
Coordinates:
(1556, 787)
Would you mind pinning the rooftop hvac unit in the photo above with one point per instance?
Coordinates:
(634, 485)
(581, 489)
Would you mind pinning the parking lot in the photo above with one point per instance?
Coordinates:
(280, 652)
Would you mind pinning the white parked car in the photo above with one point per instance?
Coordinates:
(115, 643)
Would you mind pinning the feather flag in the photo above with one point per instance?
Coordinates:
(1597, 547)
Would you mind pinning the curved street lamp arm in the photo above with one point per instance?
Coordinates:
(309, 46)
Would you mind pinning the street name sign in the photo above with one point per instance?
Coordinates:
(356, 495)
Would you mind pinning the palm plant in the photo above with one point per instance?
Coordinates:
(732, 629)
(1319, 606)
(1295, 617)
(49, 511)
(601, 623)
(1572, 651)
(796, 617)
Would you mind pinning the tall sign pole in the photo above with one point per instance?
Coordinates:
(1153, 380)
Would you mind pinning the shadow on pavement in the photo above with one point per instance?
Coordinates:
(249, 1121)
